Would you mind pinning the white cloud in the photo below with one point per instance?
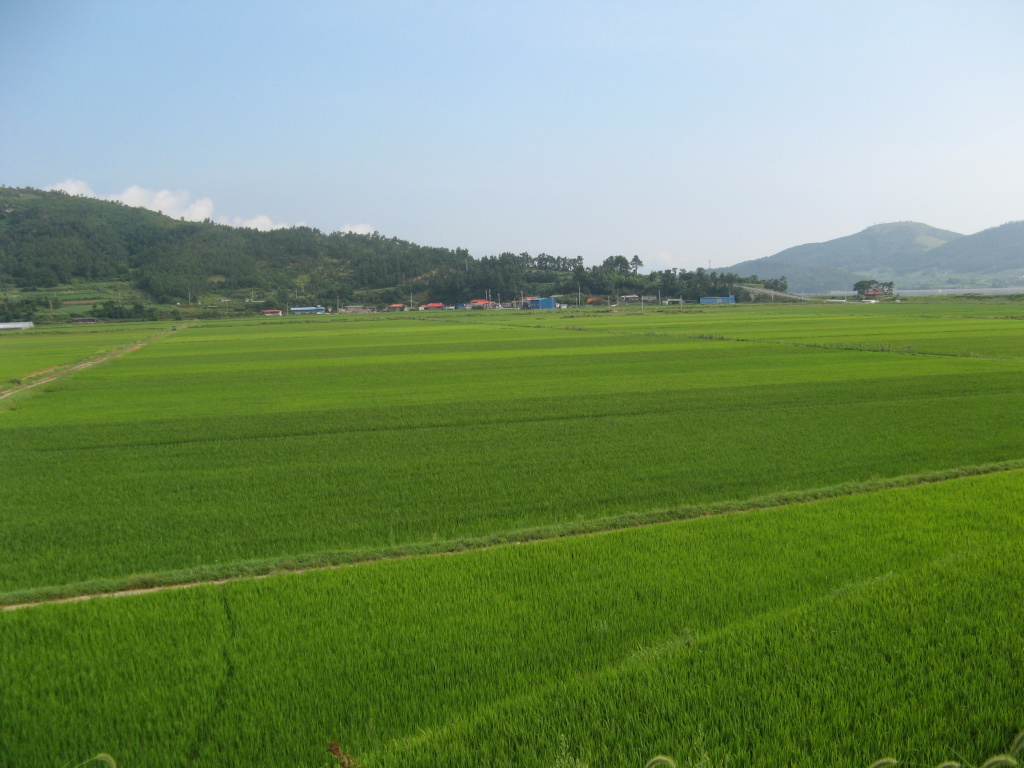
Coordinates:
(178, 205)
(659, 261)
(74, 187)
(261, 222)
(357, 229)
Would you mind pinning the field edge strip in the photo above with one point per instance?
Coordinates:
(279, 565)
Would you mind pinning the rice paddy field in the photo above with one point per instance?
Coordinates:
(759, 535)
(24, 356)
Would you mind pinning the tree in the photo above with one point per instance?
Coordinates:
(865, 286)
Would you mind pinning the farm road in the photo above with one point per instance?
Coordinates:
(88, 362)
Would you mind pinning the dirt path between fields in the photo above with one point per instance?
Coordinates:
(61, 371)
(146, 590)
(595, 527)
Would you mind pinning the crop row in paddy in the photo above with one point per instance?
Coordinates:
(832, 632)
(199, 450)
(965, 330)
(877, 670)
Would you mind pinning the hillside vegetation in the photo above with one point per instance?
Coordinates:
(50, 239)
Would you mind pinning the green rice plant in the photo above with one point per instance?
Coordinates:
(829, 630)
(31, 353)
(226, 445)
(630, 643)
(875, 669)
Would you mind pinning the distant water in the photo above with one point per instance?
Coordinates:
(942, 291)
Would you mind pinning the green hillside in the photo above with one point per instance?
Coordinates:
(999, 250)
(879, 252)
(51, 238)
(911, 254)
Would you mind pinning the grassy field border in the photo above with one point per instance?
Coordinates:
(258, 568)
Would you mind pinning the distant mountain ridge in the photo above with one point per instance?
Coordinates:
(911, 254)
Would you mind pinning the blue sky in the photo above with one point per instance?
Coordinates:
(687, 133)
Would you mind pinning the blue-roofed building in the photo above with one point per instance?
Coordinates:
(543, 304)
(317, 310)
(718, 300)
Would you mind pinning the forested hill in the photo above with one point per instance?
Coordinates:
(51, 238)
(912, 254)
(879, 252)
